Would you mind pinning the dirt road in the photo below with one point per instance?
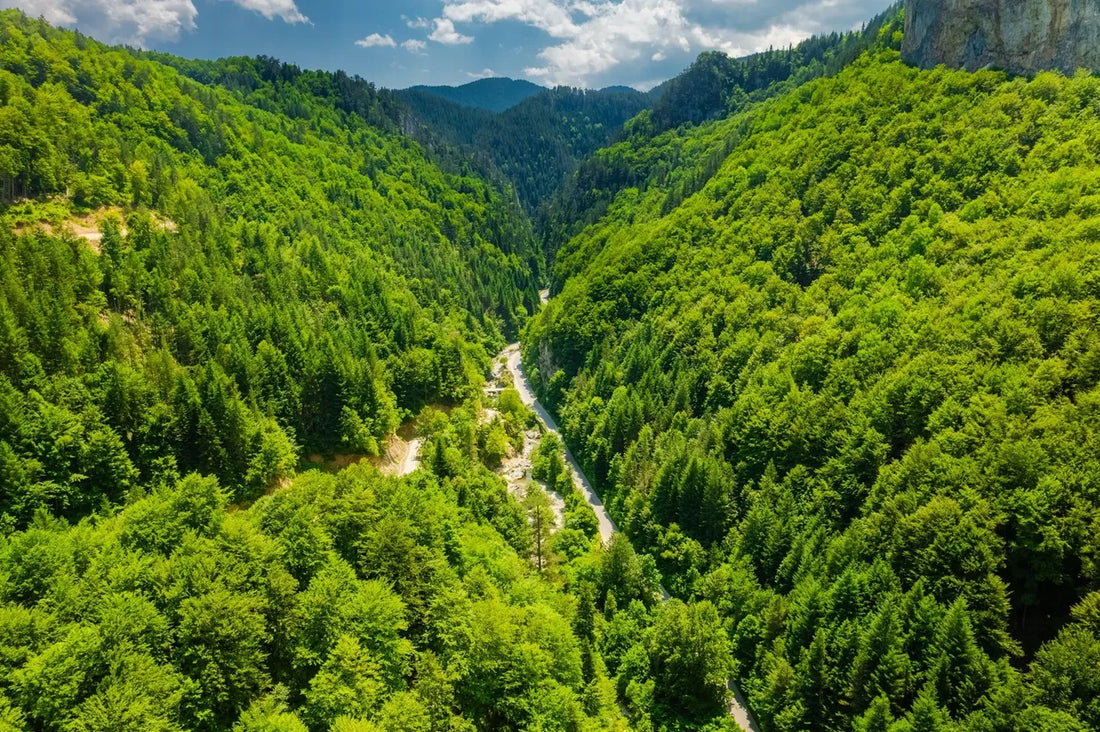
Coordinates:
(738, 709)
(512, 359)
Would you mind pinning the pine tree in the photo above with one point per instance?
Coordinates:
(541, 518)
(961, 673)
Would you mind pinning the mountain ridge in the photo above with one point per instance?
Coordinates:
(535, 144)
(494, 94)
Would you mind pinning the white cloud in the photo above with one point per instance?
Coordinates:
(483, 74)
(414, 45)
(620, 33)
(416, 22)
(546, 15)
(116, 21)
(58, 13)
(374, 40)
(647, 84)
(444, 32)
(135, 22)
(270, 9)
(593, 37)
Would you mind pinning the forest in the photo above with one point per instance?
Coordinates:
(647, 152)
(822, 334)
(220, 283)
(843, 388)
(534, 145)
(263, 283)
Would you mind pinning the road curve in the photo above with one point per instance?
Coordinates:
(512, 359)
(739, 711)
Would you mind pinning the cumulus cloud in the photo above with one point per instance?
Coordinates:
(483, 74)
(135, 22)
(593, 37)
(118, 21)
(374, 40)
(444, 32)
(271, 9)
(551, 16)
(414, 45)
(416, 22)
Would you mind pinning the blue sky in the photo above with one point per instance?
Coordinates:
(591, 43)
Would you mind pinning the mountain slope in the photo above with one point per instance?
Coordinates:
(535, 144)
(845, 387)
(649, 154)
(208, 272)
(267, 282)
(492, 95)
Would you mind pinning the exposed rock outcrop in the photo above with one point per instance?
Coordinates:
(1019, 36)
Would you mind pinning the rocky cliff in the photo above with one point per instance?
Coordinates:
(1020, 36)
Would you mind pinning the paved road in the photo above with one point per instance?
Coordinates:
(738, 709)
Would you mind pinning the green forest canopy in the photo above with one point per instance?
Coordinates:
(292, 304)
(278, 272)
(827, 350)
(534, 145)
(847, 392)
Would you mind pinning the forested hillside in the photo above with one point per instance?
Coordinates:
(264, 282)
(835, 367)
(216, 277)
(824, 338)
(647, 155)
(537, 143)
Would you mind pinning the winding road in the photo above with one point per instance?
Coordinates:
(512, 360)
(511, 357)
(738, 708)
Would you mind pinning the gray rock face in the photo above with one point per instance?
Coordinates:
(1019, 36)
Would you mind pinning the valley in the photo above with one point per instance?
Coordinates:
(511, 356)
(767, 399)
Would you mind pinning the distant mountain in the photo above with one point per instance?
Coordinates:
(621, 89)
(536, 144)
(714, 87)
(494, 95)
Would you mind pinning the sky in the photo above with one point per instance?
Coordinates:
(400, 43)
